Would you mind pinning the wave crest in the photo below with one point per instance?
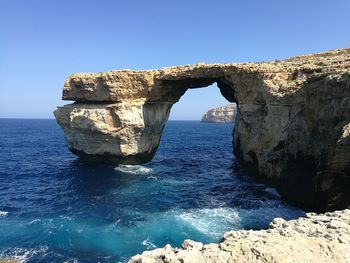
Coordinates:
(148, 244)
(3, 213)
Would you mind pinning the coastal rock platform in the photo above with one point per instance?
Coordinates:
(316, 238)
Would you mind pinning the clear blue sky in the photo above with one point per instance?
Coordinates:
(41, 42)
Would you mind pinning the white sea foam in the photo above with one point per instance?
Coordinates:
(148, 244)
(216, 202)
(133, 169)
(34, 221)
(68, 218)
(212, 221)
(3, 213)
(151, 177)
(22, 255)
(116, 223)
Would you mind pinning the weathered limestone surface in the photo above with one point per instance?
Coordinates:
(225, 114)
(292, 126)
(320, 238)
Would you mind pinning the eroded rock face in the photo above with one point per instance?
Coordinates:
(316, 238)
(292, 126)
(113, 132)
(225, 114)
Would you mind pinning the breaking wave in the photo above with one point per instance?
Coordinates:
(213, 222)
(3, 213)
(148, 244)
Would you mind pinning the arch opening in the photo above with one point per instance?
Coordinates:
(173, 90)
(158, 110)
(197, 101)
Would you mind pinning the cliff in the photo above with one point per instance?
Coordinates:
(317, 238)
(226, 114)
(292, 126)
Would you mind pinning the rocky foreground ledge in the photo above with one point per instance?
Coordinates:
(322, 238)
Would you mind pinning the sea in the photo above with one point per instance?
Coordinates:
(55, 208)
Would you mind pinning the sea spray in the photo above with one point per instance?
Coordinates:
(3, 213)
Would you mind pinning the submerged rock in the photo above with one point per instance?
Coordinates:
(292, 125)
(317, 238)
(225, 114)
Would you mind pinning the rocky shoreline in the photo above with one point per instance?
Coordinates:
(318, 238)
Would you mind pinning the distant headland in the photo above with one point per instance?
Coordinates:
(224, 114)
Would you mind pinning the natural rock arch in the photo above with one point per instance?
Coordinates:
(292, 126)
(128, 110)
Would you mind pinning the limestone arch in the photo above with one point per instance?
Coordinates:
(290, 113)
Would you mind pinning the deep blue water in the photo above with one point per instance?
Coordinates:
(56, 208)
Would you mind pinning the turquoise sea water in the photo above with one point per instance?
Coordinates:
(54, 208)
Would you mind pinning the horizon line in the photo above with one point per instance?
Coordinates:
(39, 118)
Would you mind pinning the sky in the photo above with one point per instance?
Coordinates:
(42, 42)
